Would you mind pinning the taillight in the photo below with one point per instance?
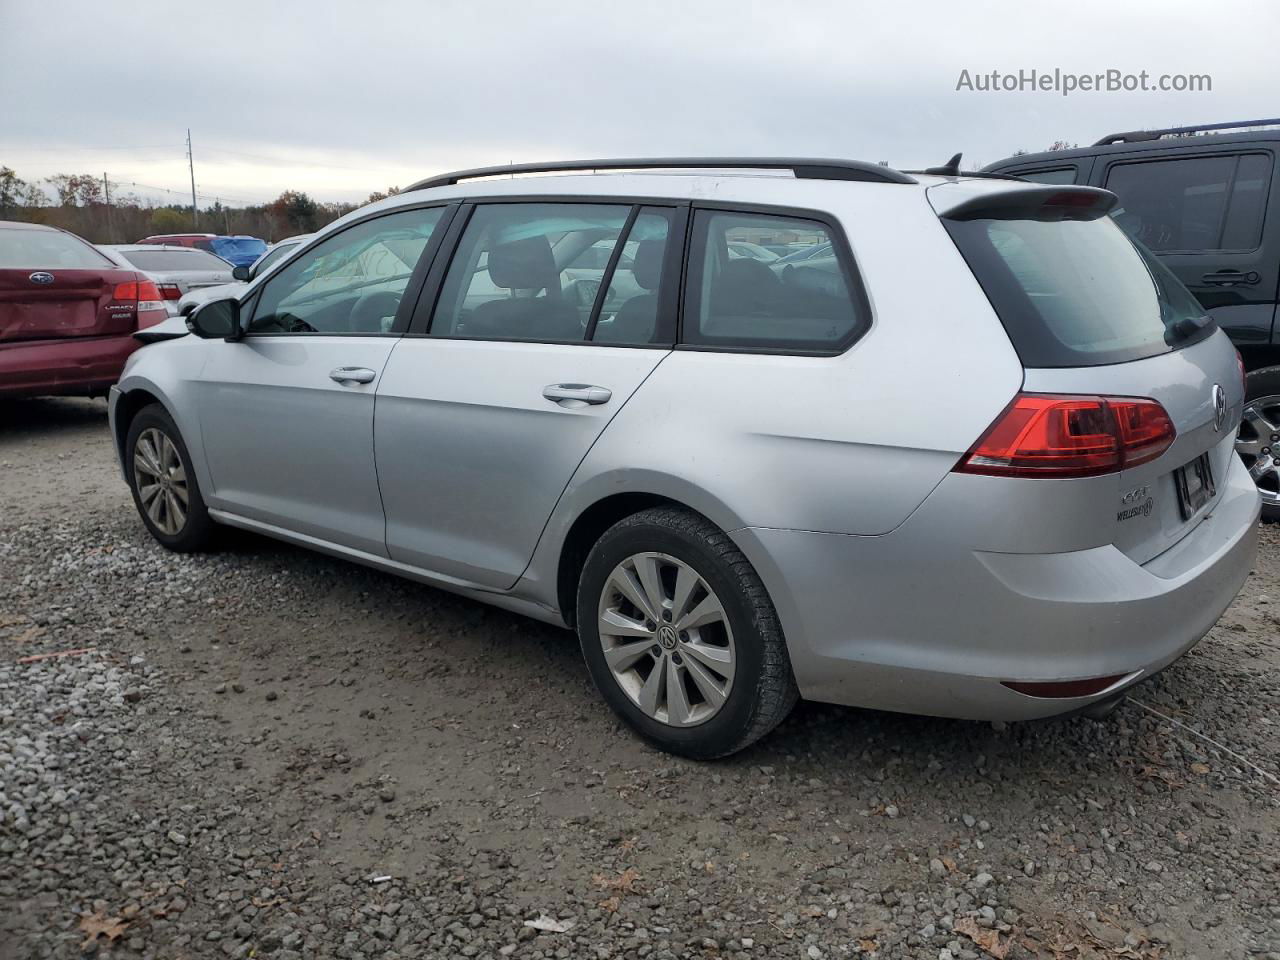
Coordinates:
(151, 309)
(125, 292)
(170, 291)
(1052, 435)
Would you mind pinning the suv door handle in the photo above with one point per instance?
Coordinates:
(576, 394)
(352, 375)
(1226, 278)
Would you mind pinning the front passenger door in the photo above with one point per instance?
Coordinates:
(287, 412)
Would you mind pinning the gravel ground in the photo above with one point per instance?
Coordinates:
(264, 752)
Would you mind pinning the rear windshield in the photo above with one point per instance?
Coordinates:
(188, 258)
(245, 249)
(47, 249)
(1078, 292)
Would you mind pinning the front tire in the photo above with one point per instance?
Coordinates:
(163, 484)
(1261, 423)
(681, 637)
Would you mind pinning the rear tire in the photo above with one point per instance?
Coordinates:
(711, 675)
(164, 486)
(1262, 422)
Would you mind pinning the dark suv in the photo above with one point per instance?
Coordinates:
(1204, 199)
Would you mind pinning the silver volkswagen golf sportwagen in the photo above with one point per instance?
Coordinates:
(972, 458)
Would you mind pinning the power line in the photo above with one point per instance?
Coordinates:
(183, 193)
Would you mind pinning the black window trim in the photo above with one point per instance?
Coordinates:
(848, 268)
(1032, 171)
(1237, 156)
(412, 290)
(668, 303)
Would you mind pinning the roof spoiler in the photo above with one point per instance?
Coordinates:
(1047, 203)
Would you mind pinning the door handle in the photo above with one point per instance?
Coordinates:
(1228, 278)
(576, 394)
(352, 375)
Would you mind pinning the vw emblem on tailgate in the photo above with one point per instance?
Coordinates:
(41, 277)
(1219, 407)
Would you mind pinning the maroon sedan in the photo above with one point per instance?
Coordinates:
(67, 313)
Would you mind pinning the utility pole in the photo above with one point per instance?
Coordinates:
(106, 192)
(195, 214)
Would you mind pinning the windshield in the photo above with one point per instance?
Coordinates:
(1078, 292)
(186, 258)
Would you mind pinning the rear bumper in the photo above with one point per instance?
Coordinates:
(78, 366)
(918, 622)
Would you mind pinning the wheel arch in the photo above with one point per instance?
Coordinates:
(127, 407)
(595, 506)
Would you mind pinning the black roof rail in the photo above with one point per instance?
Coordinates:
(801, 168)
(952, 169)
(1141, 136)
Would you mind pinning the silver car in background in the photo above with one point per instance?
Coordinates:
(177, 271)
(976, 462)
(242, 276)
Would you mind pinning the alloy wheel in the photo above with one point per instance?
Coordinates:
(666, 639)
(161, 480)
(1258, 444)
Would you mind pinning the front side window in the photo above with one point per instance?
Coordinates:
(349, 283)
(1193, 203)
(528, 271)
(275, 255)
(741, 301)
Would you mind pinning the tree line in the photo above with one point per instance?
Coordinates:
(90, 208)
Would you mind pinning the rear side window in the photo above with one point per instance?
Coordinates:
(184, 259)
(1193, 203)
(47, 250)
(1078, 293)
(1060, 175)
(741, 296)
(528, 271)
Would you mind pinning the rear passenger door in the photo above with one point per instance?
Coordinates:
(1212, 216)
(526, 344)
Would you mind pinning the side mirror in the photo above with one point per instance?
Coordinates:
(241, 274)
(216, 320)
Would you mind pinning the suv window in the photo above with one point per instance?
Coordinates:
(516, 273)
(738, 301)
(1193, 203)
(1060, 175)
(350, 282)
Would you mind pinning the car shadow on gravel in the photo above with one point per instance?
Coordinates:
(46, 416)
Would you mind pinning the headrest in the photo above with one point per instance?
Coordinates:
(523, 264)
(646, 267)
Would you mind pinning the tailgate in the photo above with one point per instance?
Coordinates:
(56, 304)
(1151, 513)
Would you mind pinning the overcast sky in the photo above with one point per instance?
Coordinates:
(339, 99)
